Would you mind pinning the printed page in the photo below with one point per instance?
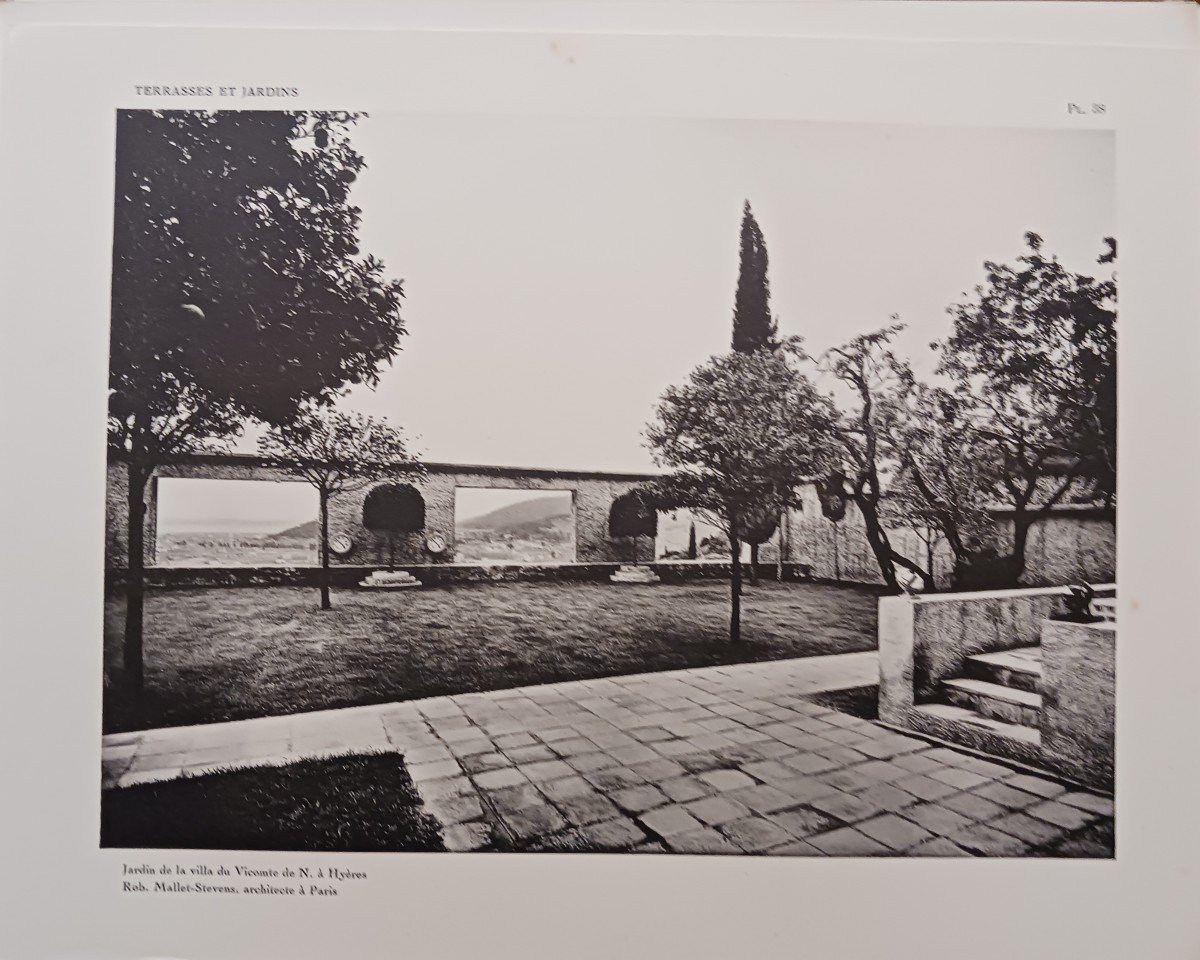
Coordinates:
(577, 479)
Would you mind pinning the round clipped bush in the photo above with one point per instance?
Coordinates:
(633, 515)
(833, 496)
(392, 509)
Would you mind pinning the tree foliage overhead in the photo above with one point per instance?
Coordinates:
(753, 325)
(1034, 351)
(238, 287)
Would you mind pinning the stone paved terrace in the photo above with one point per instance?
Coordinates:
(717, 760)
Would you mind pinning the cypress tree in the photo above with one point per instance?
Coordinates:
(753, 325)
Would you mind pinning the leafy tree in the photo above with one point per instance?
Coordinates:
(739, 437)
(1032, 362)
(869, 431)
(394, 508)
(337, 453)
(692, 551)
(753, 325)
(944, 481)
(633, 514)
(238, 291)
(754, 328)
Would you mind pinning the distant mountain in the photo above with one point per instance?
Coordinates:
(536, 515)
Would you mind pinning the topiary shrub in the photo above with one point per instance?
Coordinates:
(391, 509)
(633, 515)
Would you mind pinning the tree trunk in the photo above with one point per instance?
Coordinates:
(391, 550)
(781, 541)
(1022, 521)
(754, 564)
(135, 574)
(878, 541)
(324, 500)
(735, 582)
(837, 564)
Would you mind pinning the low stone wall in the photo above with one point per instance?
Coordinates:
(925, 639)
(1078, 720)
(166, 578)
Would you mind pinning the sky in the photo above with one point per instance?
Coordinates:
(560, 272)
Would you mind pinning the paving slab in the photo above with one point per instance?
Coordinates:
(720, 760)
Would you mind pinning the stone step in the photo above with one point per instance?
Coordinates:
(628, 573)
(994, 701)
(390, 580)
(963, 725)
(1019, 668)
(1105, 608)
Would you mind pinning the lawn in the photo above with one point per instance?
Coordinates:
(224, 654)
(344, 804)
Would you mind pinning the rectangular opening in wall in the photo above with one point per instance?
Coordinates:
(684, 535)
(514, 526)
(236, 523)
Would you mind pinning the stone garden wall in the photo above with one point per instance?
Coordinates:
(1079, 699)
(592, 495)
(924, 640)
(1073, 545)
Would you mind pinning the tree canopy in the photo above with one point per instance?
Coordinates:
(1032, 363)
(753, 325)
(739, 438)
(1037, 346)
(338, 453)
(238, 287)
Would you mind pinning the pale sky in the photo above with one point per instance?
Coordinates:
(560, 272)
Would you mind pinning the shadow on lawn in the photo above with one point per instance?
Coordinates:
(345, 804)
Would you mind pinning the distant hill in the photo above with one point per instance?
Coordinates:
(536, 515)
(304, 531)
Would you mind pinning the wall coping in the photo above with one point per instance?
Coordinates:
(1076, 511)
(1104, 626)
(995, 594)
(483, 469)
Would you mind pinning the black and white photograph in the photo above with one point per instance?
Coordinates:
(609, 484)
